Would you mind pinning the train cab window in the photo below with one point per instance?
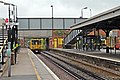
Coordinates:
(40, 42)
(35, 42)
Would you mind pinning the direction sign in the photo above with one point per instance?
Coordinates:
(12, 24)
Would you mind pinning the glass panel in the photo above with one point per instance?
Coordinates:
(23, 23)
(34, 23)
(68, 23)
(58, 23)
(46, 23)
(78, 21)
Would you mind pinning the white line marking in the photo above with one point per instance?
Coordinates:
(49, 70)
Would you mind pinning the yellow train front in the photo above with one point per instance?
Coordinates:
(37, 45)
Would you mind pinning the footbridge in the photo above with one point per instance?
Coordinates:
(39, 27)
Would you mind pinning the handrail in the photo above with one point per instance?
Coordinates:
(68, 33)
(3, 45)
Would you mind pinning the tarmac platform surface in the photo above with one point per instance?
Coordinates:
(29, 67)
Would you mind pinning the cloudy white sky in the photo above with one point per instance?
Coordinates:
(61, 8)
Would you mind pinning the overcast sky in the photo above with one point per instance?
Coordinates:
(61, 8)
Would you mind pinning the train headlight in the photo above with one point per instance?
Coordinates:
(36, 51)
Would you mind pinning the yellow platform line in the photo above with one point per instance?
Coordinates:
(36, 72)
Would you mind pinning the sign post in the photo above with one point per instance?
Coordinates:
(9, 59)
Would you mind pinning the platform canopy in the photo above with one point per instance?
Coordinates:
(107, 20)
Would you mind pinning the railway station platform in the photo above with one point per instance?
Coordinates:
(29, 67)
(101, 54)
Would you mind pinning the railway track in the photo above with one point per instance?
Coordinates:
(97, 69)
(73, 70)
(69, 72)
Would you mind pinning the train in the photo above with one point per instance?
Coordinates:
(39, 44)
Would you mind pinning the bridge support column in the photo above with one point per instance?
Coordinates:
(81, 43)
(107, 46)
(86, 43)
(83, 40)
(94, 39)
(98, 40)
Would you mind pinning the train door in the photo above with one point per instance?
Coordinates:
(55, 43)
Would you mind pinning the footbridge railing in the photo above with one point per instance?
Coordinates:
(71, 38)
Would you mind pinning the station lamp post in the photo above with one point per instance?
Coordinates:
(52, 17)
(16, 36)
(82, 11)
(52, 10)
(52, 25)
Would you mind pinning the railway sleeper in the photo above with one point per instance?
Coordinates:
(94, 61)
